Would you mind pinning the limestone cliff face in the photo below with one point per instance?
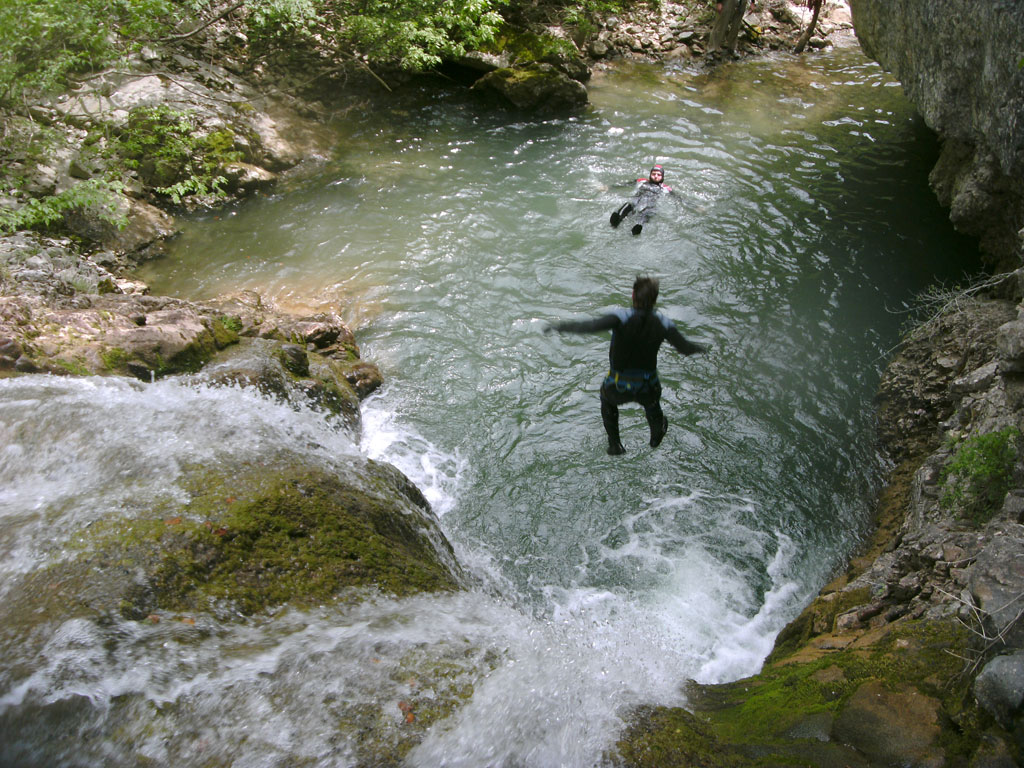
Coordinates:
(960, 63)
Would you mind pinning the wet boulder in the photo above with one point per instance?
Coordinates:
(536, 87)
(291, 373)
(324, 333)
(246, 540)
(999, 689)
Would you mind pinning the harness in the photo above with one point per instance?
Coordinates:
(632, 380)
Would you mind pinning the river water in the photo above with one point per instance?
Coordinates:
(447, 236)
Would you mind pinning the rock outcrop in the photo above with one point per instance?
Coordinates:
(913, 656)
(63, 313)
(960, 63)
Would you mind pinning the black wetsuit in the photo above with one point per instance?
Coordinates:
(642, 204)
(648, 193)
(637, 336)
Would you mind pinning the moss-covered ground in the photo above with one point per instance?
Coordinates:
(785, 715)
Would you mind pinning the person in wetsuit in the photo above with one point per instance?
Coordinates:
(646, 197)
(637, 335)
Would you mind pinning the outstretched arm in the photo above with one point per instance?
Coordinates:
(592, 325)
(684, 345)
(674, 196)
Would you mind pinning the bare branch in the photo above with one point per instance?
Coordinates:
(201, 27)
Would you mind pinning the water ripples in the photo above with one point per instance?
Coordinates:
(448, 238)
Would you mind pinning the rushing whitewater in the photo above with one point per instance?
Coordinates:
(448, 237)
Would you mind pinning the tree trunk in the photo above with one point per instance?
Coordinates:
(806, 36)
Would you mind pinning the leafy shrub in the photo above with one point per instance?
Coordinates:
(99, 195)
(273, 17)
(416, 34)
(42, 42)
(980, 473)
(162, 145)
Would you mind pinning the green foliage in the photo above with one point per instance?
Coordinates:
(416, 34)
(42, 42)
(100, 195)
(163, 145)
(979, 474)
(232, 322)
(275, 17)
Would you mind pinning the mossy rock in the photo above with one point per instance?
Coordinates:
(299, 537)
(526, 47)
(812, 713)
(816, 619)
(534, 88)
(289, 372)
(248, 541)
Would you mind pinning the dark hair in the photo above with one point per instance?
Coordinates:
(645, 292)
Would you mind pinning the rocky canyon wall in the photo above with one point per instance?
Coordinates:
(962, 64)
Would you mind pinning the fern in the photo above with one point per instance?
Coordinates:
(98, 195)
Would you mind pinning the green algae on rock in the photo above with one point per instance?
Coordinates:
(847, 705)
(534, 87)
(300, 537)
(257, 539)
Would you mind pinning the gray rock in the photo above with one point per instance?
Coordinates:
(977, 380)
(997, 583)
(485, 62)
(245, 177)
(959, 64)
(1010, 344)
(535, 88)
(999, 688)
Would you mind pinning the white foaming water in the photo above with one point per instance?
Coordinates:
(746, 642)
(572, 669)
(78, 450)
(437, 475)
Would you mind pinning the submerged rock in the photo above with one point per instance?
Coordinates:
(535, 88)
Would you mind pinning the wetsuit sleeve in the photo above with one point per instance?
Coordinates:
(593, 325)
(681, 343)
